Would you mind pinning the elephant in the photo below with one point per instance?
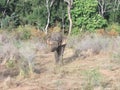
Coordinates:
(57, 42)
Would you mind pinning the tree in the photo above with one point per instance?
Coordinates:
(85, 15)
(69, 5)
(48, 6)
(109, 8)
(8, 16)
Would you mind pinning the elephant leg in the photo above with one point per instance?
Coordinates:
(56, 56)
(60, 53)
(61, 56)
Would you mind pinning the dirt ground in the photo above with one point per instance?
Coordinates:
(95, 72)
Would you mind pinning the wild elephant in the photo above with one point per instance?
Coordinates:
(57, 42)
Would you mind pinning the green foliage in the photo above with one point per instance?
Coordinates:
(93, 78)
(26, 35)
(5, 22)
(2, 2)
(24, 32)
(75, 31)
(114, 16)
(10, 63)
(58, 12)
(112, 11)
(36, 18)
(114, 26)
(84, 15)
(34, 12)
(10, 22)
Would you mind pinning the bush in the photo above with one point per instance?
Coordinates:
(24, 33)
(19, 54)
(10, 64)
(114, 27)
(115, 55)
(90, 43)
(5, 22)
(85, 16)
(10, 22)
(76, 31)
(93, 79)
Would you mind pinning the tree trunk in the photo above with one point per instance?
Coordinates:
(48, 17)
(69, 2)
(48, 11)
(70, 20)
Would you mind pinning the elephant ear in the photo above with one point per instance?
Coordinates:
(53, 45)
(64, 41)
(49, 41)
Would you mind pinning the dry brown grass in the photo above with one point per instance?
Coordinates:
(99, 71)
(110, 33)
(19, 54)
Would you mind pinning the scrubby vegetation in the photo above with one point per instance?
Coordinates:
(96, 43)
(19, 53)
(88, 59)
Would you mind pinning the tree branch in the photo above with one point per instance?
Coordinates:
(69, 2)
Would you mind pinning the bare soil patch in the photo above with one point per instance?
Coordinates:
(95, 72)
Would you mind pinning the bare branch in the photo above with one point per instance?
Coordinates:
(103, 6)
(3, 13)
(48, 18)
(52, 3)
(48, 6)
(69, 2)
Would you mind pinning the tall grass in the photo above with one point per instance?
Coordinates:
(95, 43)
(19, 54)
(93, 79)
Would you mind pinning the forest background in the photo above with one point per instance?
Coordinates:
(85, 15)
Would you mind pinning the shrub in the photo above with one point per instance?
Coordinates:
(115, 55)
(85, 16)
(93, 43)
(24, 32)
(25, 35)
(10, 64)
(114, 27)
(93, 79)
(5, 22)
(10, 22)
(19, 54)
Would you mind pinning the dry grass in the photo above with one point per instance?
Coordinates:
(92, 44)
(19, 54)
(99, 70)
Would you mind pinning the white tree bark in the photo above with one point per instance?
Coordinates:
(103, 4)
(70, 20)
(48, 17)
(48, 11)
(69, 2)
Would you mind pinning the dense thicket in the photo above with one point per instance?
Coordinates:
(86, 14)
